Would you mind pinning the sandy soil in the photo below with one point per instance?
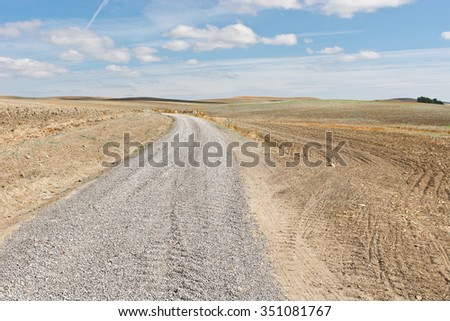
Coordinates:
(51, 147)
(378, 229)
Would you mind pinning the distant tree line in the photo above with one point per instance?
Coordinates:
(427, 100)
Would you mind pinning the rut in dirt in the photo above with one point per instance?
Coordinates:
(144, 233)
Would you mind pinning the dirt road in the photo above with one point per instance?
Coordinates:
(144, 233)
(50, 147)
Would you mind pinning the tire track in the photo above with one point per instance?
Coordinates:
(143, 233)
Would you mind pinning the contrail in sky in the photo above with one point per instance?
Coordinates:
(102, 6)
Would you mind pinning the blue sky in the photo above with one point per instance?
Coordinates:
(346, 49)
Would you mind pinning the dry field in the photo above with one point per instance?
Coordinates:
(376, 229)
(51, 147)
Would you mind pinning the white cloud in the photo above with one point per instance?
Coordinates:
(123, 71)
(342, 8)
(348, 8)
(362, 55)
(177, 45)
(280, 40)
(216, 75)
(252, 6)
(367, 54)
(15, 29)
(237, 35)
(308, 40)
(88, 44)
(310, 51)
(71, 55)
(192, 62)
(446, 35)
(331, 50)
(29, 68)
(146, 54)
(398, 74)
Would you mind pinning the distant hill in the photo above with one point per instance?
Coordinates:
(136, 99)
(232, 100)
(255, 99)
(239, 99)
(406, 100)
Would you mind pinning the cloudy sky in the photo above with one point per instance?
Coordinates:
(366, 49)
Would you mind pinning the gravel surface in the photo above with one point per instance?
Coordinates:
(144, 233)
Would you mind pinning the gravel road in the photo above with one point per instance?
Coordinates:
(144, 233)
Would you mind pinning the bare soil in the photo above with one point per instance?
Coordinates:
(377, 229)
(51, 147)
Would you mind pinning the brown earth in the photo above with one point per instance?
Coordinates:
(376, 229)
(51, 147)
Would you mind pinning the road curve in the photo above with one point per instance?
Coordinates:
(144, 233)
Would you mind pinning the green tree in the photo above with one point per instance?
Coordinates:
(427, 100)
